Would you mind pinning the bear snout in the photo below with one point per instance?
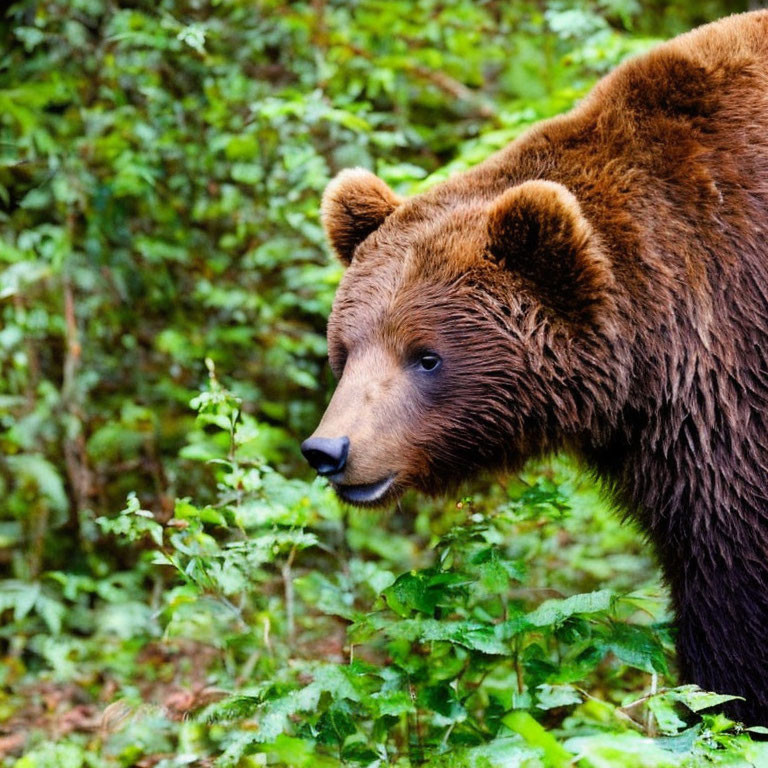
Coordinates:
(326, 455)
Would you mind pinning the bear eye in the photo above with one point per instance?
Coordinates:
(429, 361)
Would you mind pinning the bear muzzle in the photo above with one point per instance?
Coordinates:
(328, 457)
(360, 445)
(369, 493)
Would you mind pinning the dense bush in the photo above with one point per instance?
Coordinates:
(160, 169)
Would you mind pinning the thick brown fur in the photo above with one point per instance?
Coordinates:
(599, 286)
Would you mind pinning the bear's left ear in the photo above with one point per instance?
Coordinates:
(537, 230)
(355, 204)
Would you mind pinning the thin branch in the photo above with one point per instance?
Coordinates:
(75, 453)
(289, 596)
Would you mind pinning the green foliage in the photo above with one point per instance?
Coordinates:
(160, 172)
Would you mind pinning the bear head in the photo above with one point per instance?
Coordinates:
(467, 334)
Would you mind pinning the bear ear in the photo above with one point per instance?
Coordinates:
(355, 204)
(537, 230)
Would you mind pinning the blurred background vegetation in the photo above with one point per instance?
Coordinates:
(176, 589)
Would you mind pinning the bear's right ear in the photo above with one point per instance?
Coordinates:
(537, 230)
(355, 204)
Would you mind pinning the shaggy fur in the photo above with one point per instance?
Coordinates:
(599, 286)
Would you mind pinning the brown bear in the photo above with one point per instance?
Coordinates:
(599, 286)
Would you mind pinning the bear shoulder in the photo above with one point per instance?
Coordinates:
(693, 73)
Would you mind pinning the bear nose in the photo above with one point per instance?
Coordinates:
(326, 455)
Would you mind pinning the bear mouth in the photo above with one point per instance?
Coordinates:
(368, 493)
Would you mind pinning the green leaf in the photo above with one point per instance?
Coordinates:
(411, 592)
(37, 470)
(421, 591)
(664, 710)
(552, 696)
(622, 750)
(335, 725)
(519, 721)
(554, 612)
(637, 646)
(697, 700)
